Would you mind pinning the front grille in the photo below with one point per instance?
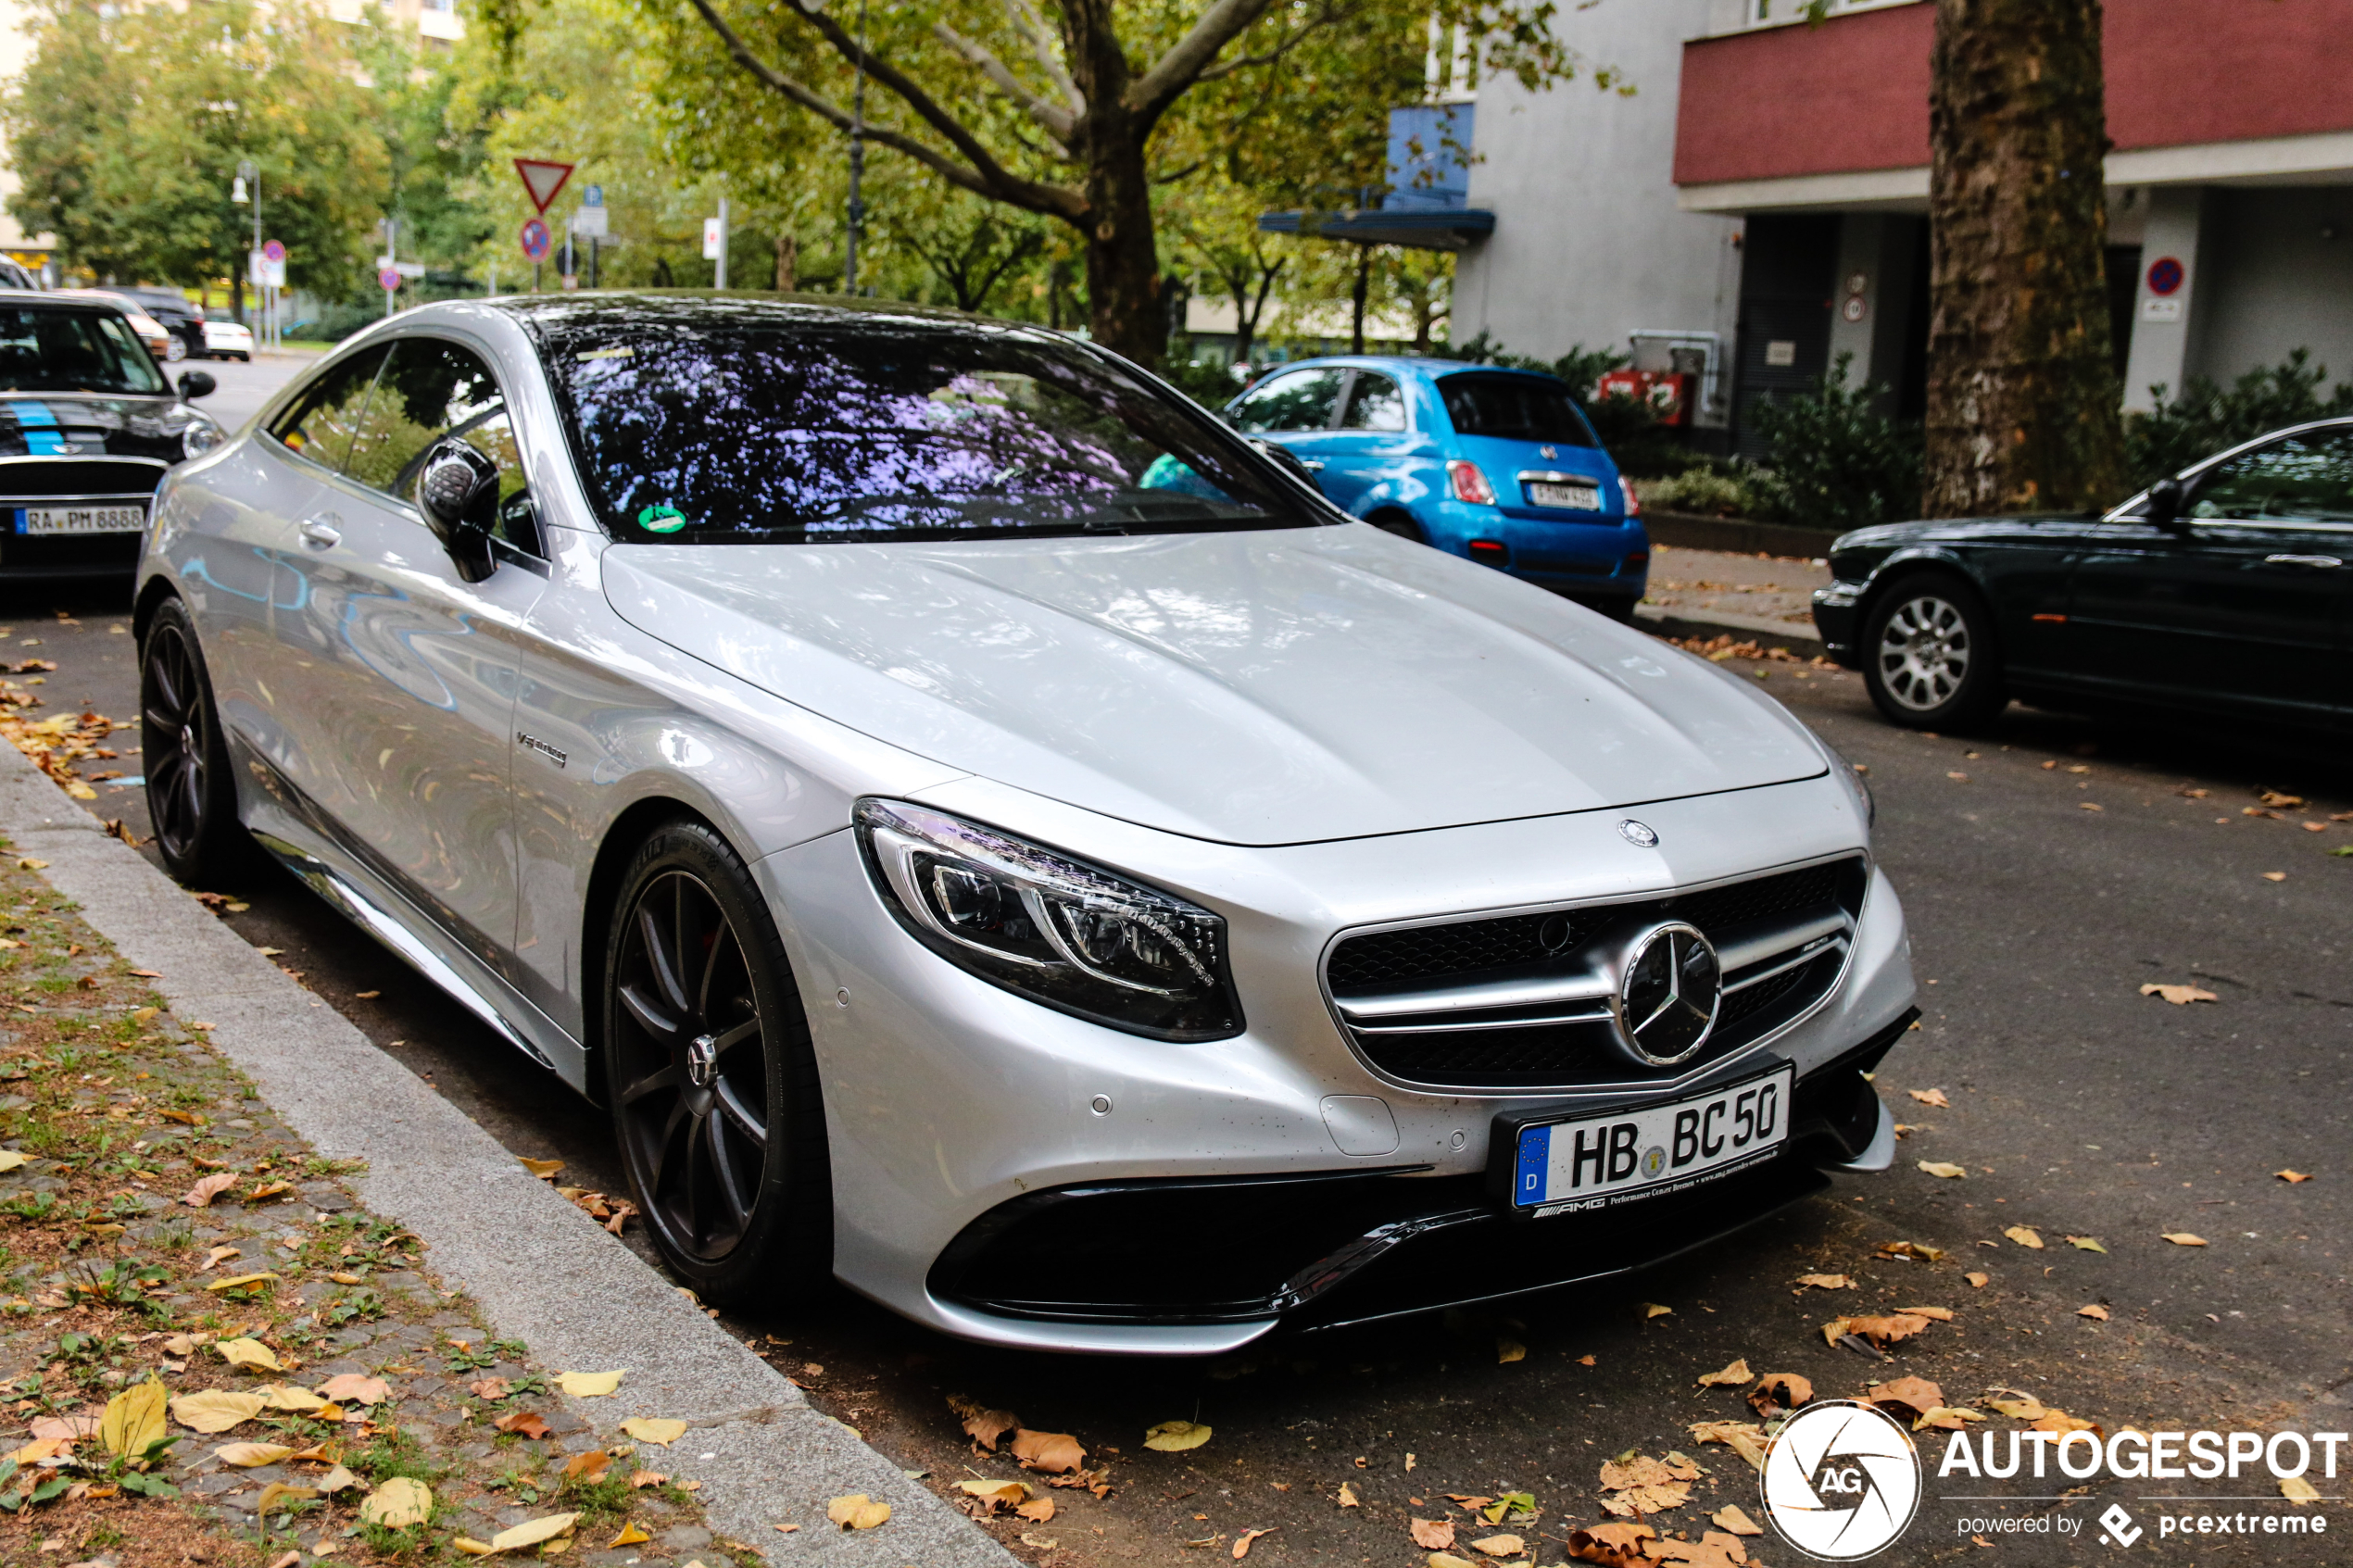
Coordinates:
(26, 480)
(1743, 917)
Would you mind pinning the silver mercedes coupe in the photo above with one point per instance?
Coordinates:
(994, 836)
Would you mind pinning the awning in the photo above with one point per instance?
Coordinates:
(1423, 229)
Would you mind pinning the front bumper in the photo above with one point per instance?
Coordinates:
(1017, 1176)
(1837, 608)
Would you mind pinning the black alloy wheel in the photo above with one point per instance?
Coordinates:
(1929, 659)
(192, 799)
(1400, 523)
(711, 1076)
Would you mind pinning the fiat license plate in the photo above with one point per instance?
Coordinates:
(1598, 1162)
(1573, 497)
(113, 519)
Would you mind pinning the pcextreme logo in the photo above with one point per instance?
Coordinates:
(1841, 1481)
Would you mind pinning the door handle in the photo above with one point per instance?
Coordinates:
(2318, 563)
(1313, 465)
(322, 530)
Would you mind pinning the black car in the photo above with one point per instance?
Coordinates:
(2225, 591)
(88, 425)
(183, 320)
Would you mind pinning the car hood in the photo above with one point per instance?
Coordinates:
(1273, 687)
(53, 424)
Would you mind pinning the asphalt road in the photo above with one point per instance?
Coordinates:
(2077, 1107)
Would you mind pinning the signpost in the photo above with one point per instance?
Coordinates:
(590, 223)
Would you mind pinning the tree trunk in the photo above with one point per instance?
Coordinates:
(1356, 299)
(2022, 394)
(787, 263)
(1123, 259)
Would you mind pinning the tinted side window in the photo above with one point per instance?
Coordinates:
(2302, 479)
(320, 423)
(1302, 400)
(431, 389)
(1514, 408)
(1374, 404)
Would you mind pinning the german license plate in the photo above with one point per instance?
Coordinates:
(1566, 1166)
(119, 518)
(1573, 497)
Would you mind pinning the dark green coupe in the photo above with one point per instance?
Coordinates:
(2224, 591)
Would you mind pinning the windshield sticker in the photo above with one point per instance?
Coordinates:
(661, 519)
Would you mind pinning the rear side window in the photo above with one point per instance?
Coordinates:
(2303, 479)
(1374, 404)
(430, 389)
(1301, 400)
(321, 422)
(1515, 408)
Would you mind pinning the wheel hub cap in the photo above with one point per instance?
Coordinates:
(188, 740)
(702, 1060)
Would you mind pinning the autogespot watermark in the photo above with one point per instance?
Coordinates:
(1843, 1482)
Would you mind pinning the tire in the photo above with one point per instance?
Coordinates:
(176, 349)
(192, 795)
(1401, 525)
(1929, 656)
(244, 358)
(711, 1076)
(1621, 610)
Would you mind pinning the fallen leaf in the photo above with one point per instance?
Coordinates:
(68, 1429)
(282, 1398)
(245, 1456)
(242, 1351)
(336, 1480)
(1241, 1542)
(532, 1531)
(1037, 1510)
(216, 1409)
(1584, 1360)
(355, 1388)
(47, 1448)
(1733, 1519)
(590, 1464)
(1509, 1350)
(267, 1191)
(2275, 876)
(2298, 1491)
(240, 1282)
(1946, 1418)
(1348, 1496)
(857, 1512)
(1827, 1282)
(278, 1492)
(1055, 1454)
(1886, 1331)
(2062, 1424)
(1500, 1546)
(1778, 1391)
(10, 1159)
(1919, 1249)
(630, 1536)
(2292, 1177)
(530, 1425)
(982, 1424)
(469, 1546)
(209, 1187)
(1931, 1097)
(1977, 1280)
(1911, 1396)
(1653, 1309)
(133, 1419)
(1944, 1168)
(2087, 1243)
(1834, 1331)
(1935, 1314)
(1614, 1546)
(2094, 1310)
(481, 1387)
(2025, 1235)
(2180, 996)
(654, 1429)
(996, 1494)
(545, 1170)
(2185, 1238)
(588, 1385)
(1735, 1374)
(1176, 1436)
(640, 1479)
(1445, 1559)
(30, 864)
(1744, 1438)
(1432, 1535)
(2024, 1407)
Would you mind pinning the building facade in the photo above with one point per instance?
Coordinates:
(1768, 182)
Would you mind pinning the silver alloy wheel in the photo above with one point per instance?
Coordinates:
(1924, 652)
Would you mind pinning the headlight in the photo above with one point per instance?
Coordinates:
(1061, 933)
(201, 436)
(1856, 783)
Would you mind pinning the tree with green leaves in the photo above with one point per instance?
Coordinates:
(127, 129)
(1081, 111)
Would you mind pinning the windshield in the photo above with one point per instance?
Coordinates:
(1515, 407)
(44, 348)
(796, 424)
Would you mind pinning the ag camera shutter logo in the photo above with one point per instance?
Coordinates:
(1841, 1481)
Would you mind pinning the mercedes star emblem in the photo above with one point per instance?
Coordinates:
(1668, 997)
(702, 1060)
(1641, 835)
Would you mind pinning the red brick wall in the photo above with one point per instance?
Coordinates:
(1853, 95)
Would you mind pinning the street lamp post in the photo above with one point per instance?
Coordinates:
(249, 179)
(857, 161)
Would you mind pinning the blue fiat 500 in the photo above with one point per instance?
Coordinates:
(1494, 464)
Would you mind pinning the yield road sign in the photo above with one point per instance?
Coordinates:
(542, 179)
(535, 240)
(273, 251)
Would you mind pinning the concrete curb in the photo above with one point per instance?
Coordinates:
(1798, 637)
(539, 1270)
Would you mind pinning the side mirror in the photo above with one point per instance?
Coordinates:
(2167, 500)
(197, 383)
(457, 490)
(1287, 458)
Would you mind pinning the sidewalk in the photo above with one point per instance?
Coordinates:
(764, 1465)
(1702, 592)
